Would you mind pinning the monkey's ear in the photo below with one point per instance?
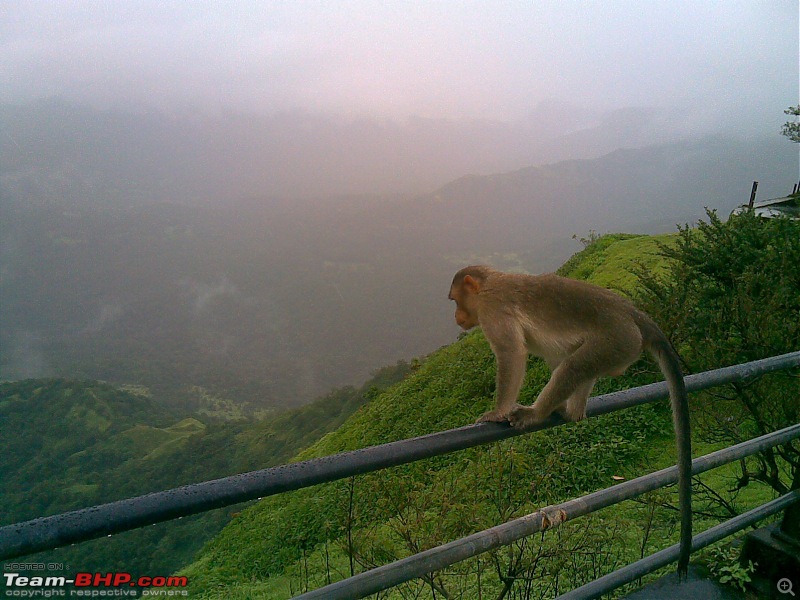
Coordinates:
(471, 284)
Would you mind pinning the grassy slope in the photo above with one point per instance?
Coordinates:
(298, 541)
(611, 261)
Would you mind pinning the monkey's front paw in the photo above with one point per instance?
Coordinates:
(493, 416)
(522, 417)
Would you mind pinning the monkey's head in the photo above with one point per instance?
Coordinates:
(464, 292)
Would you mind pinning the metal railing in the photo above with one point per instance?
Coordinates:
(435, 559)
(55, 531)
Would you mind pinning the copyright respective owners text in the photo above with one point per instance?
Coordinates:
(55, 580)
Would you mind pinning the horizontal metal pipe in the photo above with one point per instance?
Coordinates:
(694, 383)
(640, 568)
(435, 559)
(68, 528)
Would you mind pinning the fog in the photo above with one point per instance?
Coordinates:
(733, 62)
(299, 99)
(269, 199)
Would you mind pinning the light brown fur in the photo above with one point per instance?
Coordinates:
(582, 332)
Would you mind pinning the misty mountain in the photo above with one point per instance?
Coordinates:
(56, 150)
(271, 303)
(645, 190)
(265, 309)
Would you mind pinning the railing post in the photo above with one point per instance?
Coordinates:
(753, 195)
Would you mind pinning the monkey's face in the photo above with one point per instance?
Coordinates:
(466, 308)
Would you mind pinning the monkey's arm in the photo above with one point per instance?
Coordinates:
(512, 357)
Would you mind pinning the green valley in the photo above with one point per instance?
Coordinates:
(67, 444)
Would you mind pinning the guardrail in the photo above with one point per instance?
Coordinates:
(387, 576)
(55, 531)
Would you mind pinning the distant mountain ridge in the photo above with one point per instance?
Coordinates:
(271, 304)
(627, 188)
(54, 149)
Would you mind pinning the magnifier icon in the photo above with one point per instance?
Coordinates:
(785, 586)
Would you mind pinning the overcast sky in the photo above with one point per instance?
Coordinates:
(437, 59)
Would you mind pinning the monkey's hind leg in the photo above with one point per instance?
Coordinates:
(553, 398)
(575, 407)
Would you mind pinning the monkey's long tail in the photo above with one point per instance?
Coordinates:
(669, 363)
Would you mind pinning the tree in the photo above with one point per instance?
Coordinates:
(731, 295)
(791, 129)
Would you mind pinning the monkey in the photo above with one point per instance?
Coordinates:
(582, 331)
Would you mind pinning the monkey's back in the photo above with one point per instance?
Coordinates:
(552, 297)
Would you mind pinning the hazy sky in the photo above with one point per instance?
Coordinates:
(439, 59)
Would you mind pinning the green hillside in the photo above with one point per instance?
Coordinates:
(302, 540)
(612, 260)
(66, 445)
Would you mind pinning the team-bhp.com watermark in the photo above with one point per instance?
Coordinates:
(93, 585)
